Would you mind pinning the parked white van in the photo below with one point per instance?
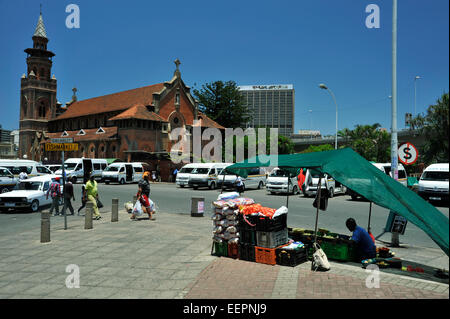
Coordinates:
(32, 168)
(256, 178)
(78, 168)
(386, 168)
(184, 174)
(277, 182)
(122, 173)
(205, 174)
(327, 182)
(433, 184)
(7, 180)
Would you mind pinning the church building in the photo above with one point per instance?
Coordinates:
(132, 125)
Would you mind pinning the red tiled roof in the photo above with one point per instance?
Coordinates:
(205, 121)
(140, 112)
(91, 134)
(112, 102)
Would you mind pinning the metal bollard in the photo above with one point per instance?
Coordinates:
(115, 210)
(45, 227)
(88, 215)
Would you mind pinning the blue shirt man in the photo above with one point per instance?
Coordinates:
(365, 246)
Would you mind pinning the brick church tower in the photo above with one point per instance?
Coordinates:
(38, 102)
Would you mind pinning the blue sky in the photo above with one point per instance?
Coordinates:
(123, 45)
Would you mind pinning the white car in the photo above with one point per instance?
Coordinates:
(7, 180)
(31, 195)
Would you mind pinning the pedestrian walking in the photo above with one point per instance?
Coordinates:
(68, 196)
(239, 185)
(83, 196)
(175, 172)
(22, 176)
(55, 194)
(143, 196)
(91, 192)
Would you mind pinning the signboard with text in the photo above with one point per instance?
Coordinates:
(59, 147)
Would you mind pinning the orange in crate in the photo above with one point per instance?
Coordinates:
(233, 250)
(266, 255)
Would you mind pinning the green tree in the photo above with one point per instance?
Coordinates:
(434, 127)
(318, 148)
(285, 144)
(222, 102)
(369, 141)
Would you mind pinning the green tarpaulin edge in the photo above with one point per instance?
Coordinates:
(350, 169)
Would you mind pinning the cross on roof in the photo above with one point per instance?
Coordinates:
(177, 63)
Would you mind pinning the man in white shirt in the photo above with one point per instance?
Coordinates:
(23, 175)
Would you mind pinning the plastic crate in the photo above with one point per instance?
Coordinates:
(338, 251)
(220, 249)
(233, 250)
(247, 223)
(271, 239)
(291, 257)
(246, 252)
(247, 236)
(265, 255)
(271, 224)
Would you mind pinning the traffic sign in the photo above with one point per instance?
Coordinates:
(62, 140)
(407, 153)
(58, 147)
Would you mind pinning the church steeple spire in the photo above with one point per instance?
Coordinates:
(40, 28)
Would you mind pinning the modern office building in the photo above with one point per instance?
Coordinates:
(271, 106)
(5, 135)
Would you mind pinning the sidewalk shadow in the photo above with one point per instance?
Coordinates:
(427, 274)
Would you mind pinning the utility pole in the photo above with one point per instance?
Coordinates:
(394, 141)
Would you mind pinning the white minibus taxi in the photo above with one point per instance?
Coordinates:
(256, 178)
(122, 173)
(184, 174)
(433, 183)
(278, 182)
(32, 168)
(78, 168)
(205, 174)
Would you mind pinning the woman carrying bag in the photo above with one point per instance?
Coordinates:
(91, 192)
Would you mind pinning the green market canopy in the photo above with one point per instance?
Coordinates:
(350, 169)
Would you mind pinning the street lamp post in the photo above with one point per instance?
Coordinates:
(394, 141)
(415, 80)
(310, 123)
(324, 87)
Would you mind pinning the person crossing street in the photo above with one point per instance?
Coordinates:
(91, 193)
(55, 194)
(68, 196)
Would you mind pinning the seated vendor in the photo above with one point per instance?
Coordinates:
(365, 245)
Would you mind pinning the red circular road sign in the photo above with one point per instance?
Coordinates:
(407, 153)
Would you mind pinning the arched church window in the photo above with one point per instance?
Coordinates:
(41, 109)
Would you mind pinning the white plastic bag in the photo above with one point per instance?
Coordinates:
(137, 209)
(230, 195)
(280, 211)
(320, 260)
(129, 207)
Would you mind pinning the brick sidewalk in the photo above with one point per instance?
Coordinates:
(237, 279)
(170, 258)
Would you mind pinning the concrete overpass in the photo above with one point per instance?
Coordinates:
(403, 136)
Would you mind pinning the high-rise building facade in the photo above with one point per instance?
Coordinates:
(271, 106)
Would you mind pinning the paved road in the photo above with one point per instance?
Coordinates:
(175, 200)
